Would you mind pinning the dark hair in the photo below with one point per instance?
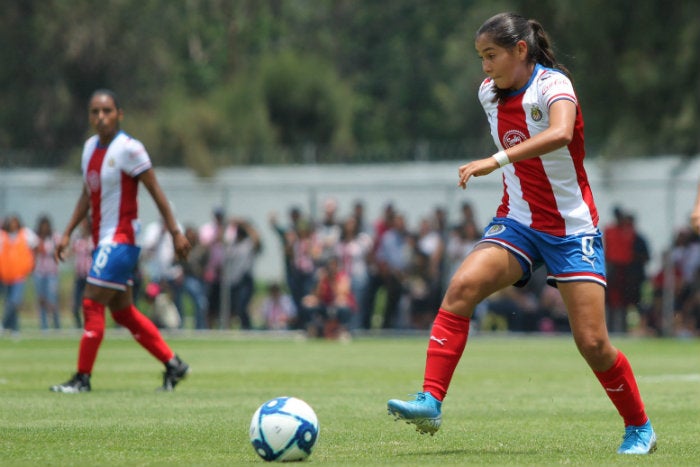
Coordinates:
(41, 220)
(106, 92)
(507, 29)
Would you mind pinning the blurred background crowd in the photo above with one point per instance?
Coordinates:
(343, 274)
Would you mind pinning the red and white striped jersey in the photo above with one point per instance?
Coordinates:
(549, 193)
(109, 174)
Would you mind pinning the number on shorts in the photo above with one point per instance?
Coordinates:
(102, 257)
(587, 246)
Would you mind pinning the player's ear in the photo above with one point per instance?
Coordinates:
(521, 49)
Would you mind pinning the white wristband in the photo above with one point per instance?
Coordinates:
(502, 158)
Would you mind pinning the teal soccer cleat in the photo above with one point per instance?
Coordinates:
(423, 412)
(638, 440)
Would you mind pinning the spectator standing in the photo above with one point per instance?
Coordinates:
(618, 239)
(238, 275)
(353, 250)
(287, 236)
(190, 281)
(468, 216)
(158, 254)
(358, 213)
(304, 267)
(461, 241)
(46, 274)
(430, 243)
(393, 258)
(685, 253)
(158, 257)
(653, 319)
(417, 289)
(17, 244)
(375, 280)
(213, 270)
(327, 232)
(687, 319)
(216, 228)
(637, 276)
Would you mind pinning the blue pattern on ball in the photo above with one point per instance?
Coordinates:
(304, 437)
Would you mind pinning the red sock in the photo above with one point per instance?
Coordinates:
(94, 329)
(448, 338)
(144, 331)
(621, 387)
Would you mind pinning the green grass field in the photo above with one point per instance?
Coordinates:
(514, 401)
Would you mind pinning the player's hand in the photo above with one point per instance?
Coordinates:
(59, 250)
(476, 168)
(182, 245)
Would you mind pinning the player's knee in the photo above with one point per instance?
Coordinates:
(463, 292)
(595, 349)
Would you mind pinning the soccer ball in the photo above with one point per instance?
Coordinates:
(284, 429)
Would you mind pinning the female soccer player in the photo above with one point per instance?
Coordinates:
(113, 164)
(547, 217)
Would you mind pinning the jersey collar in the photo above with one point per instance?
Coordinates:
(537, 68)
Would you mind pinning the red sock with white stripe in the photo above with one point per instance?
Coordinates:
(621, 387)
(448, 337)
(94, 329)
(145, 332)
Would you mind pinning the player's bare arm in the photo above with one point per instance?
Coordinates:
(82, 207)
(180, 242)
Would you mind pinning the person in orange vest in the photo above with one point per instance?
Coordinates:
(17, 245)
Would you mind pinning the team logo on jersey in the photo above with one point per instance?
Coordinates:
(495, 230)
(536, 113)
(110, 162)
(93, 180)
(512, 138)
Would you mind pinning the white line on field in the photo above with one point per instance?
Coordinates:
(689, 378)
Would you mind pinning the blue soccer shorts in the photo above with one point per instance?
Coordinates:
(113, 265)
(572, 258)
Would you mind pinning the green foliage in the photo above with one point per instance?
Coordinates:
(513, 401)
(210, 83)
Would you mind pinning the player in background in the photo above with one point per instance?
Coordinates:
(113, 164)
(547, 217)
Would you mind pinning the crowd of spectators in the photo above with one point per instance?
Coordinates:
(344, 274)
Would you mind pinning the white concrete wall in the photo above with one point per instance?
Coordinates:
(660, 192)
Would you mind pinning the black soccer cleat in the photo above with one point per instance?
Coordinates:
(175, 371)
(80, 382)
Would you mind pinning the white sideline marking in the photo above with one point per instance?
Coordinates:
(690, 378)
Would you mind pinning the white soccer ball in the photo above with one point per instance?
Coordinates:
(284, 429)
